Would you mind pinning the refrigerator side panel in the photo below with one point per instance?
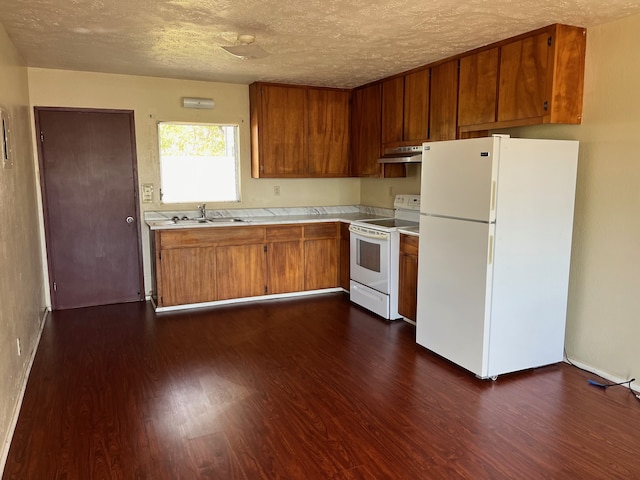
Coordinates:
(533, 233)
(453, 293)
(458, 178)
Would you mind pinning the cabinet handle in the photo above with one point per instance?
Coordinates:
(129, 220)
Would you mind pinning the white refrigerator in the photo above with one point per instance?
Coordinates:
(495, 244)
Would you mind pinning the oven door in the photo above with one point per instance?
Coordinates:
(369, 250)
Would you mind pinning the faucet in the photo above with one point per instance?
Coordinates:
(203, 210)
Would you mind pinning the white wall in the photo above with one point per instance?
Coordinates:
(21, 278)
(603, 324)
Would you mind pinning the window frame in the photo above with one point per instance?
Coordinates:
(236, 154)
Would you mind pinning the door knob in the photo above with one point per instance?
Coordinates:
(129, 219)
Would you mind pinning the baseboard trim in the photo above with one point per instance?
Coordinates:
(635, 386)
(245, 299)
(16, 409)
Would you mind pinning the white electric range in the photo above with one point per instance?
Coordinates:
(374, 246)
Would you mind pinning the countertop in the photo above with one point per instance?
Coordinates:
(414, 231)
(239, 217)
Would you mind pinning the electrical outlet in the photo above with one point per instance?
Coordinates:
(276, 190)
(19, 347)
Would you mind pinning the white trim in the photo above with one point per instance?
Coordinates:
(245, 299)
(16, 409)
(635, 386)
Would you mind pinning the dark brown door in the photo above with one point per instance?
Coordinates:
(89, 185)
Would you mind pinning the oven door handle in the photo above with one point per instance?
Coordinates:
(377, 236)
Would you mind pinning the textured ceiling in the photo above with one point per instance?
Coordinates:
(316, 42)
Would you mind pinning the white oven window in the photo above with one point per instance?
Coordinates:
(368, 255)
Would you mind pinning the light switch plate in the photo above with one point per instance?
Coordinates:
(147, 193)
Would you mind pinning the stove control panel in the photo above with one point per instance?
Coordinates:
(407, 202)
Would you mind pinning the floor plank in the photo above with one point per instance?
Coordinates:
(309, 388)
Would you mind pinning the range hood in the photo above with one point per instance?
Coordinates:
(412, 154)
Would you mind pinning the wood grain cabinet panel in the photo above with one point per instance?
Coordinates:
(285, 259)
(392, 110)
(285, 267)
(188, 276)
(321, 264)
(321, 255)
(416, 106)
(278, 130)
(444, 101)
(345, 256)
(408, 277)
(299, 131)
(405, 109)
(366, 119)
(523, 78)
(478, 89)
(240, 271)
(329, 123)
(542, 77)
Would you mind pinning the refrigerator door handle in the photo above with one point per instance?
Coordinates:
(493, 195)
(490, 254)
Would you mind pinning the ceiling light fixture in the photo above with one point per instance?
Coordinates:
(247, 49)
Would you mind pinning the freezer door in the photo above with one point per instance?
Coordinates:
(459, 178)
(454, 285)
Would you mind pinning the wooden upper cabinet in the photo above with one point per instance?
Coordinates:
(392, 110)
(299, 131)
(366, 111)
(542, 77)
(416, 106)
(278, 130)
(405, 109)
(329, 123)
(366, 118)
(478, 89)
(523, 78)
(444, 101)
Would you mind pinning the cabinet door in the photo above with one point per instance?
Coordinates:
(329, 117)
(408, 277)
(366, 118)
(392, 110)
(444, 101)
(365, 131)
(321, 255)
(241, 271)
(523, 78)
(282, 131)
(321, 264)
(187, 275)
(416, 106)
(345, 252)
(478, 88)
(285, 267)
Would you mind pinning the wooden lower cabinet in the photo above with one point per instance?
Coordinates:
(240, 271)
(209, 264)
(408, 277)
(345, 256)
(321, 255)
(188, 275)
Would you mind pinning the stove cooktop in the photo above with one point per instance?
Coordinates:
(390, 222)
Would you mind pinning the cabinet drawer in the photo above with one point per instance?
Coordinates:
(202, 237)
(284, 233)
(409, 244)
(321, 230)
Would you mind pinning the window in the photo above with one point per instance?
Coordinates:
(198, 162)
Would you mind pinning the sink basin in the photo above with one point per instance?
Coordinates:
(225, 220)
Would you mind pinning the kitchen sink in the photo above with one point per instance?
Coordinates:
(225, 220)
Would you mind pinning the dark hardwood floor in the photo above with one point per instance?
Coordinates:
(310, 388)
